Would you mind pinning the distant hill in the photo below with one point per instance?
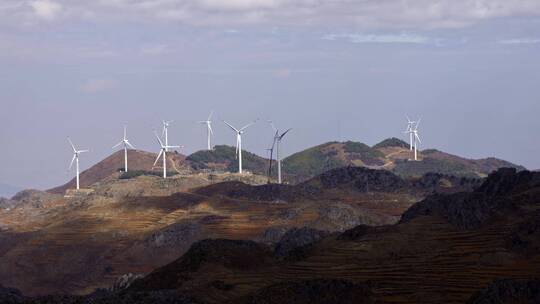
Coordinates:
(316, 160)
(223, 158)
(8, 191)
(391, 154)
(137, 160)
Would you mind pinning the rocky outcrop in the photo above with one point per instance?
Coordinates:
(173, 235)
(508, 292)
(296, 242)
(321, 291)
(362, 179)
(124, 281)
(471, 210)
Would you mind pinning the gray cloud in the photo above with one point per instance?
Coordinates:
(367, 14)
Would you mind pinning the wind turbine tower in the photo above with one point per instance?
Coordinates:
(209, 131)
(239, 133)
(277, 139)
(165, 132)
(75, 159)
(164, 149)
(126, 144)
(410, 127)
(416, 139)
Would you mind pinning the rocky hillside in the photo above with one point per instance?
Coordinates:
(476, 247)
(134, 225)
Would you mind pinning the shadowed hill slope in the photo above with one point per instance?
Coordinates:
(430, 257)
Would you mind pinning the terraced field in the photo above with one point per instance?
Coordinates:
(433, 256)
(76, 244)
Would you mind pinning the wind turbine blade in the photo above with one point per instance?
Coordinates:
(125, 132)
(210, 116)
(118, 144)
(284, 133)
(210, 129)
(72, 145)
(417, 123)
(158, 156)
(72, 160)
(230, 126)
(158, 139)
(130, 145)
(169, 147)
(273, 126)
(83, 151)
(417, 137)
(248, 125)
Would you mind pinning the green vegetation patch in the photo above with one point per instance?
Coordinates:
(391, 142)
(311, 162)
(135, 173)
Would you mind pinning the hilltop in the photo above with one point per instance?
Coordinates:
(138, 161)
(223, 158)
(391, 154)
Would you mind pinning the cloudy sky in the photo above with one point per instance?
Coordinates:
(332, 70)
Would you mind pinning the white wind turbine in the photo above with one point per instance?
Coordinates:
(164, 149)
(239, 133)
(277, 139)
(209, 130)
(164, 133)
(416, 139)
(126, 144)
(75, 158)
(410, 127)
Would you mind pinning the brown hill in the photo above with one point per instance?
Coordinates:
(136, 225)
(138, 161)
(447, 249)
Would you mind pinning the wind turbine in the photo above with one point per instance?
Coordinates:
(164, 133)
(271, 150)
(163, 151)
(75, 158)
(126, 144)
(209, 130)
(410, 127)
(277, 139)
(239, 133)
(416, 139)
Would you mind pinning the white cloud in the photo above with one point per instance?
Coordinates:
(98, 85)
(520, 41)
(46, 9)
(240, 4)
(372, 38)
